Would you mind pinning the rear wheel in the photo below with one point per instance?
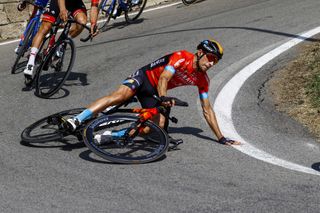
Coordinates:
(17, 66)
(55, 69)
(48, 128)
(142, 148)
(134, 9)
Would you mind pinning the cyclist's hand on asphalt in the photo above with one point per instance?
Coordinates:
(228, 142)
(64, 15)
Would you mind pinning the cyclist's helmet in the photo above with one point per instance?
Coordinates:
(211, 46)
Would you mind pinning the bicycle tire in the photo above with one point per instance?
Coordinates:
(116, 153)
(44, 90)
(28, 135)
(24, 47)
(134, 9)
(106, 8)
(188, 2)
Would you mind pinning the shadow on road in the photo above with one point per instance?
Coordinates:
(190, 131)
(316, 166)
(206, 29)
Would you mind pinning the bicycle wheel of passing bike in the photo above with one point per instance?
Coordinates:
(106, 8)
(188, 2)
(48, 128)
(55, 68)
(142, 148)
(23, 49)
(134, 9)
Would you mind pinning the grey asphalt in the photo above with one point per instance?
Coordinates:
(202, 176)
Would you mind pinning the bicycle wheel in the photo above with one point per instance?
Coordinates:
(134, 9)
(140, 149)
(48, 128)
(106, 8)
(23, 48)
(188, 2)
(55, 68)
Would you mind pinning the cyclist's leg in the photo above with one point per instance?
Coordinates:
(38, 39)
(126, 91)
(79, 12)
(48, 19)
(122, 94)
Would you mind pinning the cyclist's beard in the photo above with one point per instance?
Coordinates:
(198, 65)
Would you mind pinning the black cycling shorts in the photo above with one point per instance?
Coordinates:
(52, 9)
(139, 83)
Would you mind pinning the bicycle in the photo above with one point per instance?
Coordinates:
(132, 10)
(55, 61)
(136, 139)
(188, 2)
(28, 35)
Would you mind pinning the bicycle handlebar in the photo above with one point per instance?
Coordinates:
(72, 20)
(177, 101)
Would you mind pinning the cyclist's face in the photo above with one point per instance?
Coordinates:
(207, 61)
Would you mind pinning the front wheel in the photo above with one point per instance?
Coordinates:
(55, 68)
(23, 49)
(142, 148)
(188, 2)
(134, 9)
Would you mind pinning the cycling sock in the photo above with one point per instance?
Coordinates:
(33, 55)
(84, 115)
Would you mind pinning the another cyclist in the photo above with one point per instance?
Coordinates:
(23, 4)
(177, 69)
(57, 8)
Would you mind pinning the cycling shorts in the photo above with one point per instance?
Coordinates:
(139, 83)
(52, 9)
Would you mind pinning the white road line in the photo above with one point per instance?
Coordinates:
(225, 99)
(144, 11)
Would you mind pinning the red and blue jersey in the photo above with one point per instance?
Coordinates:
(180, 64)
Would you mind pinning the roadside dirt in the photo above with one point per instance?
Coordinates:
(290, 87)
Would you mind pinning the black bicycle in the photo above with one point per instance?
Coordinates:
(188, 2)
(55, 60)
(119, 134)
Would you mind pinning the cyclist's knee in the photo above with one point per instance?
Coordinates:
(45, 28)
(81, 18)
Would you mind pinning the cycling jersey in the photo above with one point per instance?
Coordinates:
(145, 81)
(73, 6)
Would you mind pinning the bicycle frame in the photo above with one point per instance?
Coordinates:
(37, 19)
(121, 3)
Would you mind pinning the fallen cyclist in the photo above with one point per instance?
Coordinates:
(177, 69)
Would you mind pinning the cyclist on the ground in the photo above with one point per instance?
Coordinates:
(23, 4)
(177, 69)
(54, 9)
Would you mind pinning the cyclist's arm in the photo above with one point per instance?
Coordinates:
(210, 117)
(63, 10)
(164, 78)
(94, 11)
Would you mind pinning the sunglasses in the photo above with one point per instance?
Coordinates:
(212, 58)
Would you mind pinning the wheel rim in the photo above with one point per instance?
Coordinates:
(55, 69)
(141, 149)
